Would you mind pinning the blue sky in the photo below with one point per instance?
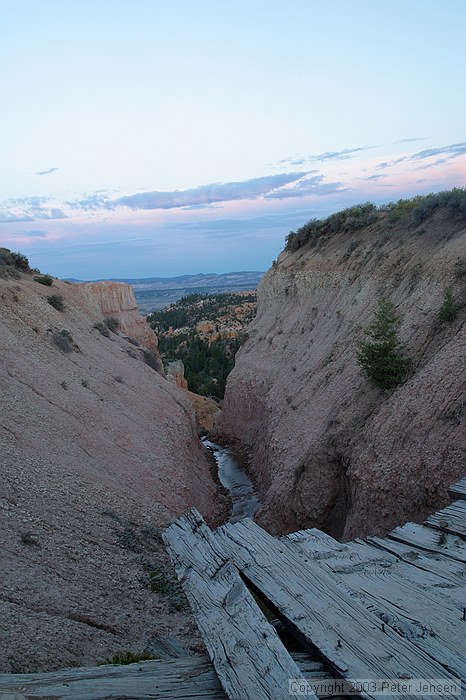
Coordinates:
(154, 138)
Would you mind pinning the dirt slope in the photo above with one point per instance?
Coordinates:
(97, 451)
(327, 449)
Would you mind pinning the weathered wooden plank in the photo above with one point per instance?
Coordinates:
(430, 540)
(181, 679)
(450, 519)
(436, 571)
(409, 599)
(458, 490)
(374, 551)
(353, 641)
(191, 677)
(248, 656)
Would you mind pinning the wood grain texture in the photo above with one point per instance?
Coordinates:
(428, 539)
(191, 677)
(458, 490)
(249, 658)
(397, 585)
(451, 519)
(351, 639)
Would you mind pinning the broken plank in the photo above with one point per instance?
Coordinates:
(450, 519)
(430, 540)
(406, 598)
(160, 680)
(353, 641)
(458, 490)
(178, 679)
(248, 656)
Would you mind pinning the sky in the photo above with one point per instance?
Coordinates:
(147, 138)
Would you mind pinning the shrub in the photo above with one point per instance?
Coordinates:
(102, 328)
(56, 300)
(382, 357)
(449, 309)
(63, 340)
(459, 269)
(20, 261)
(345, 221)
(46, 280)
(153, 360)
(165, 584)
(30, 539)
(112, 323)
(411, 212)
(16, 261)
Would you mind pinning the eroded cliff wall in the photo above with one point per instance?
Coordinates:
(326, 448)
(97, 452)
(117, 300)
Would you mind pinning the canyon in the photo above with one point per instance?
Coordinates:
(326, 448)
(100, 448)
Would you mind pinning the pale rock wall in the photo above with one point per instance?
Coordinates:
(97, 451)
(117, 299)
(175, 373)
(326, 448)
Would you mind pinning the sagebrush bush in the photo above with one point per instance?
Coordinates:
(46, 280)
(102, 328)
(56, 300)
(152, 359)
(411, 212)
(63, 340)
(15, 261)
(112, 323)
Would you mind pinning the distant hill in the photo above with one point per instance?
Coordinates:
(154, 293)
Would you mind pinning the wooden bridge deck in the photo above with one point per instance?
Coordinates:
(378, 608)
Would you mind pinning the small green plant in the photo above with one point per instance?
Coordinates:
(56, 300)
(382, 357)
(128, 657)
(166, 585)
(46, 280)
(63, 340)
(449, 309)
(459, 269)
(128, 538)
(30, 539)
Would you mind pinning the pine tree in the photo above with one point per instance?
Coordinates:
(382, 357)
(449, 309)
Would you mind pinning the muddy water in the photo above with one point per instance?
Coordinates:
(234, 478)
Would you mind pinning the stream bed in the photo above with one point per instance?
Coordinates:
(233, 477)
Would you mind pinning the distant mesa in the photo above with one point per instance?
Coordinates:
(154, 293)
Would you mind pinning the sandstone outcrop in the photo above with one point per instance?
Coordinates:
(117, 300)
(98, 451)
(175, 373)
(326, 448)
